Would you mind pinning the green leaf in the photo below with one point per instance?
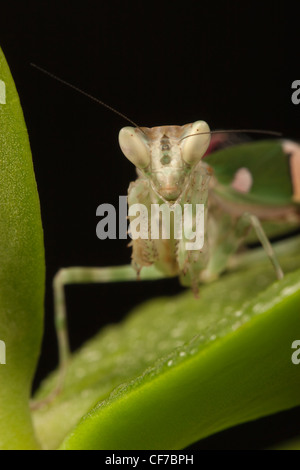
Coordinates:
(22, 268)
(184, 368)
(268, 166)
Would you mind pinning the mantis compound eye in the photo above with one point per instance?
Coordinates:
(195, 142)
(134, 146)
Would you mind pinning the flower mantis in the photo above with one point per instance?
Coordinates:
(239, 189)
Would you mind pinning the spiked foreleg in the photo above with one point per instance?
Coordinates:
(193, 248)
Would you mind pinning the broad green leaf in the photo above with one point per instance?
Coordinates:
(268, 166)
(184, 368)
(21, 270)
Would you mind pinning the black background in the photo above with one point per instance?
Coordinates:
(229, 63)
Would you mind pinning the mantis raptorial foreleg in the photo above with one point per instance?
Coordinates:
(83, 275)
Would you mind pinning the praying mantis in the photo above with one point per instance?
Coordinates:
(239, 188)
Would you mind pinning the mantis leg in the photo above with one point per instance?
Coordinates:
(83, 275)
(225, 236)
(255, 223)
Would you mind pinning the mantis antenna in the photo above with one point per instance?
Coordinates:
(64, 82)
(235, 131)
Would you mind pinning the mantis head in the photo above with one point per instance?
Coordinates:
(166, 154)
